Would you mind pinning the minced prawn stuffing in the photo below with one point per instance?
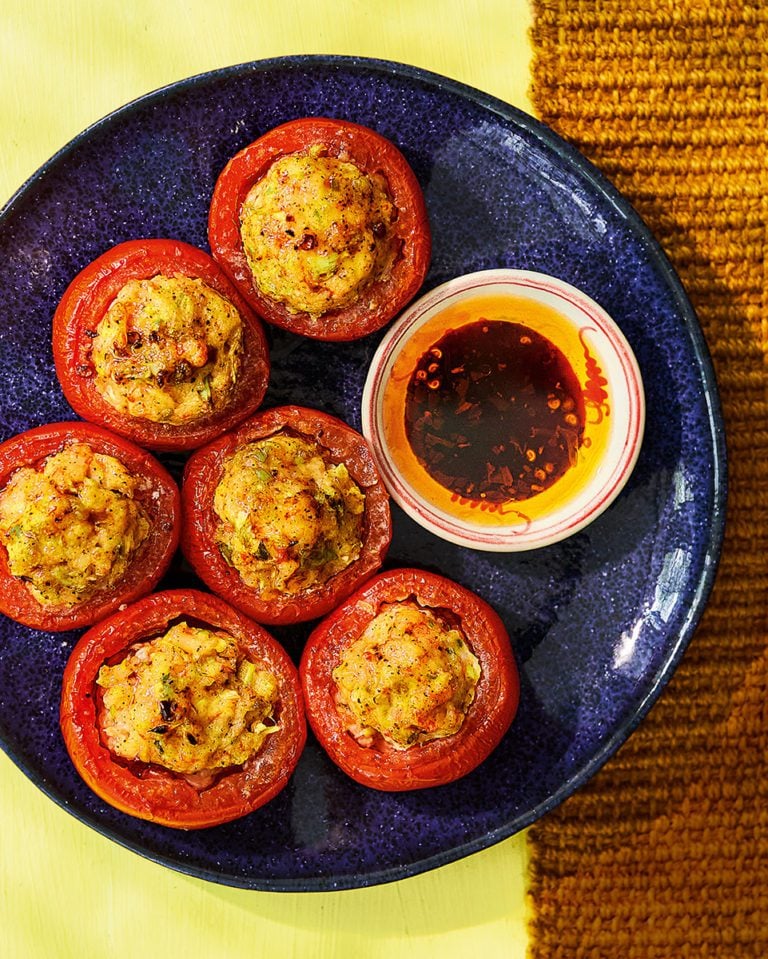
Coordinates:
(317, 232)
(188, 701)
(168, 349)
(288, 520)
(72, 526)
(409, 678)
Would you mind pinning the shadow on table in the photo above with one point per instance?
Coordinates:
(485, 888)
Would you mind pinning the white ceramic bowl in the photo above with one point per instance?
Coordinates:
(519, 307)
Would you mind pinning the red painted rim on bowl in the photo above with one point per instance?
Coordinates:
(626, 384)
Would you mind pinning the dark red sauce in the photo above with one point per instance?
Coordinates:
(494, 412)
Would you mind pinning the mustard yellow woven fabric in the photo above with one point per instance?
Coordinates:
(665, 852)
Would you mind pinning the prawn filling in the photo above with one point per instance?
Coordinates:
(73, 525)
(188, 701)
(288, 519)
(317, 232)
(168, 349)
(409, 678)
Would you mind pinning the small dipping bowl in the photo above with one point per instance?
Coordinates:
(505, 410)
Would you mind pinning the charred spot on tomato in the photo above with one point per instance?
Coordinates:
(341, 214)
(72, 524)
(494, 412)
(169, 349)
(409, 678)
(288, 517)
(223, 709)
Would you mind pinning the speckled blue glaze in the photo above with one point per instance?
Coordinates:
(598, 622)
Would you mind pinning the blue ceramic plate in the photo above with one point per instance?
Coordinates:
(598, 621)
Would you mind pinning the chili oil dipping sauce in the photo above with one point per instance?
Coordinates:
(505, 409)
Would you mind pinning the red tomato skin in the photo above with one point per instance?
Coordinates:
(370, 152)
(88, 298)
(152, 793)
(437, 762)
(160, 495)
(202, 474)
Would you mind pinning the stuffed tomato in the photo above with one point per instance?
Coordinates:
(182, 711)
(88, 521)
(285, 516)
(411, 682)
(323, 226)
(153, 341)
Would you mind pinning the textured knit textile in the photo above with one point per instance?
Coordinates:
(665, 852)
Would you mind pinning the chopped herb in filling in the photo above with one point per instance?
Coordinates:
(72, 526)
(317, 232)
(168, 349)
(409, 678)
(288, 519)
(187, 700)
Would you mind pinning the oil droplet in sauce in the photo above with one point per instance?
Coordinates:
(494, 412)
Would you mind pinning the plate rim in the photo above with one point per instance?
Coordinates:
(572, 158)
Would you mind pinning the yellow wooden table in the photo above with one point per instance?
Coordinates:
(64, 890)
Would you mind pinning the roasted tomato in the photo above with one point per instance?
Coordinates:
(153, 341)
(323, 226)
(180, 710)
(88, 521)
(411, 682)
(285, 516)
